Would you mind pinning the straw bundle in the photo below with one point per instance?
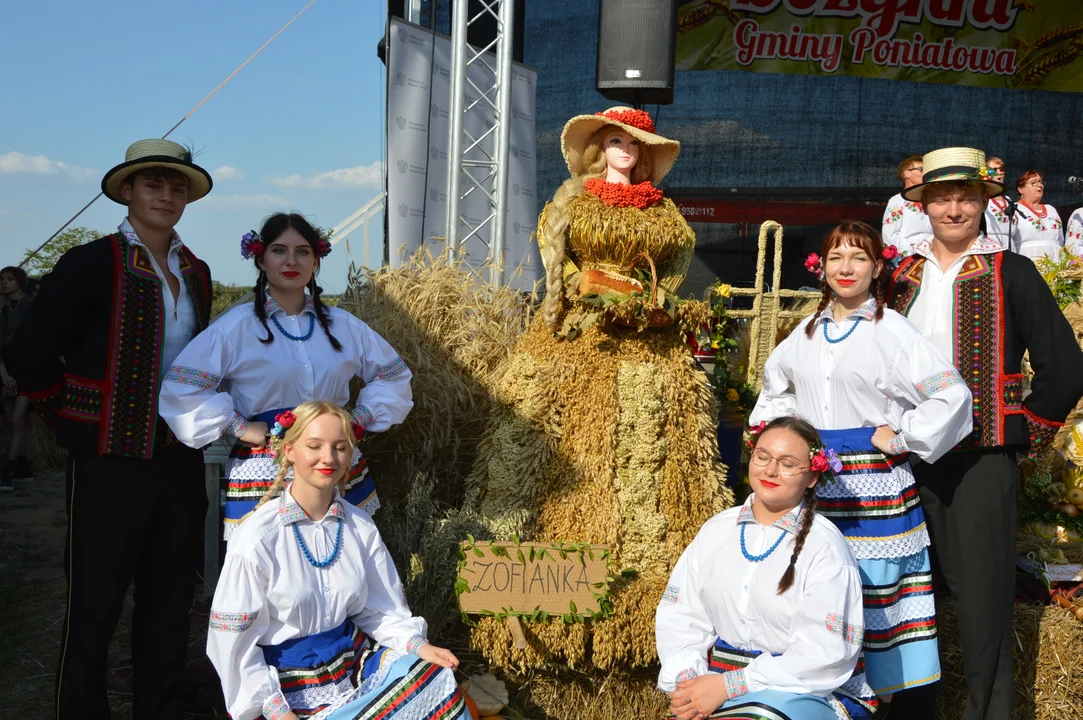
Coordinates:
(453, 332)
(608, 439)
(1048, 663)
(617, 696)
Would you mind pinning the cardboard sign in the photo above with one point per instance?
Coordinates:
(505, 577)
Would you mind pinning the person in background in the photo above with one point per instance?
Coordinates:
(998, 216)
(1038, 230)
(1073, 233)
(904, 220)
(90, 355)
(14, 286)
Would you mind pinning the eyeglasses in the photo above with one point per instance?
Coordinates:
(919, 168)
(997, 170)
(786, 465)
(1035, 183)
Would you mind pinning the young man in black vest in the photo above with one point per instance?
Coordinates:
(984, 307)
(106, 324)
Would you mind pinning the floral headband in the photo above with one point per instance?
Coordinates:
(815, 264)
(823, 460)
(285, 420)
(252, 245)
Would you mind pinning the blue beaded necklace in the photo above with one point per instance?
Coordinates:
(757, 558)
(299, 338)
(334, 551)
(847, 334)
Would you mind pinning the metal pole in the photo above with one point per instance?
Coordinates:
(504, 45)
(455, 123)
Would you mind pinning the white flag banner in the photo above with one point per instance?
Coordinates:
(419, 75)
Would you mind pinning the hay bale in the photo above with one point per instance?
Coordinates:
(567, 696)
(1048, 658)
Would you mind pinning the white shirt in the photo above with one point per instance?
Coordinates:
(885, 373)
(181, 320)
(269, 593)
(933, 310)
(226, 374)
(816, 627)
(905, 222)
(1037, 234)
(996, 221)
(1073, 235)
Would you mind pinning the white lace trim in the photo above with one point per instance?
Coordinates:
(868, 484)
(896, 546)
(910, 608)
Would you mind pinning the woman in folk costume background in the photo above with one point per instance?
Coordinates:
(282, 349)
(604, 431)
(762, 617)
(309, 618)
(877, 391)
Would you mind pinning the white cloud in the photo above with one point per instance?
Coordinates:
(227, 172)
(362, 176)
(258, 202)
(17, 163)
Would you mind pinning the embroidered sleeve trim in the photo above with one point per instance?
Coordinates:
(363, 415)
(276, 707)
(672, 594)
(415, 643)
(683, 675)
(897, 445)
(736, 683)
(852, 634)
(237, 426)
(193, 376)
(392, 369)
(1041, 432)
(939, 381)
(232, 622)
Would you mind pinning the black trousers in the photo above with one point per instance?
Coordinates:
(128, 520)
(970, 501)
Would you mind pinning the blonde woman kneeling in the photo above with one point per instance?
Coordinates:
(309, 618)
(762, 617)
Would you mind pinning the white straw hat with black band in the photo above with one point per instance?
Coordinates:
(154, 153)
(954, 165)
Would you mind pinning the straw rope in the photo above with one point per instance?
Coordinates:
(767, 307)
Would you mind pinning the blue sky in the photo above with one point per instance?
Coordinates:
(299, 129)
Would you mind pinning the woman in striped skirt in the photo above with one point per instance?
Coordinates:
(309, 617)
(878, 392)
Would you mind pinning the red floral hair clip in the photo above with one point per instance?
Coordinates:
(754, 432)
(358, 431)
(636, 118)
(815, 265)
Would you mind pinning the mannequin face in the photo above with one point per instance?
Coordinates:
(621, 151)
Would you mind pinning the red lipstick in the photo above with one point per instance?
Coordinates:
(326, 471)
(290, 274)
(845, 282)
(768, 484)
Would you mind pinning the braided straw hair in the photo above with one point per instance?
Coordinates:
(812, 438)
(305, 413)
(855, 234)
(272, 228)
(554, 230)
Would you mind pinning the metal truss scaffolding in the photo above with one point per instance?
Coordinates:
(484, 172)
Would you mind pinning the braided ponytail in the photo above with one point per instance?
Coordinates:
(878, 293)
(825, 298)
(259, 305)
(807, 516)
(322, 313)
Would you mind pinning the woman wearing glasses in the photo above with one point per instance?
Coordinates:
(762, 616)
(877, 391)
(1038, 230)
(999, 211)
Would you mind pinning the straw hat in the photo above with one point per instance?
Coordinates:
(143, 154)
(637, 123)
(953, 164)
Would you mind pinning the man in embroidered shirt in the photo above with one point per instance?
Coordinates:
(107, 321)
(904, 221)
(984, 307)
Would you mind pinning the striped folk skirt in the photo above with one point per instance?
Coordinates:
(341, 675)
(250, 472)
(875, 503)
(853, 701)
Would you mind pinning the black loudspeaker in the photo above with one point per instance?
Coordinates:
(637, 47)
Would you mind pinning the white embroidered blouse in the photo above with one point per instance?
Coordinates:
(269, 593)
(815, 628)
(905, 222)
(226, 375)
(996, 221)
(1073, 234)
(884, 373)
(1037, 234)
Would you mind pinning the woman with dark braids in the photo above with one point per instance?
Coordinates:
(284, 349)
(762, 616)
(877, 391)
